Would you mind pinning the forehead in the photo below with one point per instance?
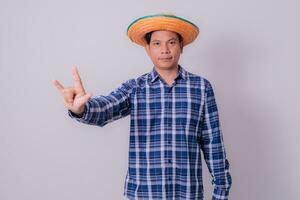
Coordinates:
(162, 34)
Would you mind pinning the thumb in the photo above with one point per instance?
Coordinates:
(81, 101)
(86, 97)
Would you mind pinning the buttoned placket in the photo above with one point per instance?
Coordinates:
(168, 96)
(168, 111)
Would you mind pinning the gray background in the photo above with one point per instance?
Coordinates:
(249, 50)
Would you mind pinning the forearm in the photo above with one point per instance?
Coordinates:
(100, 110)
(218, 165)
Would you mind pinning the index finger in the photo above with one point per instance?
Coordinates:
(77, 80)
(58, 85)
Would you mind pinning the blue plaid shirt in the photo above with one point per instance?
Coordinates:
(169, 126)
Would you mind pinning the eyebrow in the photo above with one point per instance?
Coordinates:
(167, 40)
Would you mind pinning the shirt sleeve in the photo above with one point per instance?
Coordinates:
(100, 110)
(213, 147)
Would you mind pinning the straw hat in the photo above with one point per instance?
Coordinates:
(141, 26)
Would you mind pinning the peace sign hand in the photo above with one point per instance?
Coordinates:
(74, 97)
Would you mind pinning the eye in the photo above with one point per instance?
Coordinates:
(155, 43)
(173, 42)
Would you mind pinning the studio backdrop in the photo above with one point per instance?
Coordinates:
(248, 50)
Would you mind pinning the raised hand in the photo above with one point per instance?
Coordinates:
(74, 97)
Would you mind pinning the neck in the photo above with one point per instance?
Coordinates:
(168, 75)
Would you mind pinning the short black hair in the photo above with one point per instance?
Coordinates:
(149, 34)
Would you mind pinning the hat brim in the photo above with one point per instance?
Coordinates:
(137, 30)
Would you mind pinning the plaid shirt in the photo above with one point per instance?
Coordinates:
(169, 126)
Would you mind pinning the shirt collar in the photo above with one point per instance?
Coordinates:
(182, 73)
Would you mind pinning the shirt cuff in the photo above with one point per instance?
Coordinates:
(220, 194)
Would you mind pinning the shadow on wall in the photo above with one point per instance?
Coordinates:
(250, 120)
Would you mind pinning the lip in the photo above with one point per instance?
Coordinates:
(165, 59)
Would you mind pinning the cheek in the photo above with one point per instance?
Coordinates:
(177, 53)
(154, 54)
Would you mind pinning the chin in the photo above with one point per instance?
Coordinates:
(166, 65)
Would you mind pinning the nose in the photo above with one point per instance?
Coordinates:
(165, 49)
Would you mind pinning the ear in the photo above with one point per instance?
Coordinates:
(181, 46)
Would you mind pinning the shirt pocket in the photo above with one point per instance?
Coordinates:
(188, 113)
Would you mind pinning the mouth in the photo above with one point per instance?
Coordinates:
(165, 59)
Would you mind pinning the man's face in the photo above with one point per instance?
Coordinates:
(164, 49)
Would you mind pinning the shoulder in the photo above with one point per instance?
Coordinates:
(139, 81)
(142, 79)
(133, 83)
(199, 80)
(205, 85)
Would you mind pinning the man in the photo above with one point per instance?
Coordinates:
(173, 116)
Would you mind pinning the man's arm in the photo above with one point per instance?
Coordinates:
(213, 147)
(100, 110)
